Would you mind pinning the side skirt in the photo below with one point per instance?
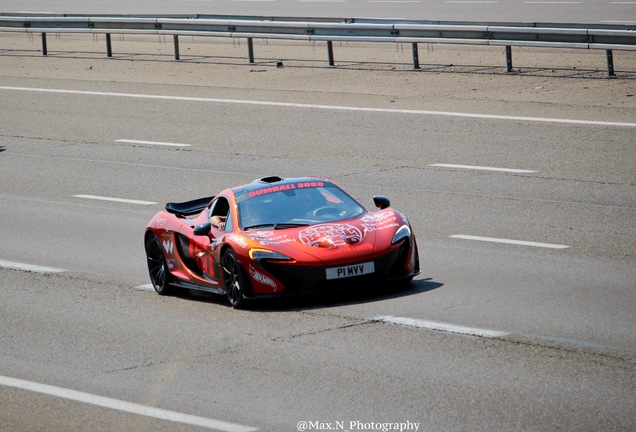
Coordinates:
(192, 286)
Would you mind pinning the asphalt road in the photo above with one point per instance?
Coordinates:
(579, 11)
(529, 336)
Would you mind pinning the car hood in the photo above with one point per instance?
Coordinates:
(334, 242)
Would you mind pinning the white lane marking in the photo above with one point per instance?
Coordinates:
(153, 143)
(10, 265)
(508, 241)
(553, 2)
(440, 326)
(481, 332)
(119, 405)
(325, 107)
(120, 200)
(483, 168)
(147, 287)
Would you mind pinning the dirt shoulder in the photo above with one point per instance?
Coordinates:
(545, 82)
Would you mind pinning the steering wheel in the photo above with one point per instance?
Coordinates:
(325, 210)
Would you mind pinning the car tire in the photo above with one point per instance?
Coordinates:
(157, 267)
(234, 279)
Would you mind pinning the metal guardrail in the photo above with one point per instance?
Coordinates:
(548, 35)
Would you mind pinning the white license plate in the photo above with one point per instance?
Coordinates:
(350, 270)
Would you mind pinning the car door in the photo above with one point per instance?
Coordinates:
(209, 256)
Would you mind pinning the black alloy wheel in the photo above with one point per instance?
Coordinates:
(234, 279)
(157, 266)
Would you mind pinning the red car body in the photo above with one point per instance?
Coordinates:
(334, 243)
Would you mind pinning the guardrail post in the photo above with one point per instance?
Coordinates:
(45, 50)
(176, 46)
(109, 46)
(610, 63)
(330, 52)
(508, 59)
(416, 57)
(250, 50)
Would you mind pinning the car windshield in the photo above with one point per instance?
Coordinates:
(290, 206)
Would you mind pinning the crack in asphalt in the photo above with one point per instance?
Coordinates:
(316, 332)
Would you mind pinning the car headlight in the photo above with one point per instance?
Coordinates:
(259, 254)
(403, 232)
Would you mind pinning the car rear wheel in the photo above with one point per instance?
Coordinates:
(157, 268)
(234, 278)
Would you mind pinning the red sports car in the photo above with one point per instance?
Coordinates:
(278, 236)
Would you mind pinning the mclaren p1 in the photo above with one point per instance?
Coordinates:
(276, 237)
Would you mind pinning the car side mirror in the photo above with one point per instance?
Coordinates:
(202, 229)
(381, 202)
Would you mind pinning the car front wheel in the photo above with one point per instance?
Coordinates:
(234, 279)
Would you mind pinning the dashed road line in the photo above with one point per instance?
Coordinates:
(552, 2)
(113, 199)
(509, 241)
(157, 143)
(471, 2)
(440, 326)
(10, 265)
(484, 168)
(458, 329)
(129, 407)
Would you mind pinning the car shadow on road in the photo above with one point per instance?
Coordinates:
(322, 300)
(344, 297)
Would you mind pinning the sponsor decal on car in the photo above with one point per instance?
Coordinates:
(260, 277)
(291, 186)
(338, 234)
(267, 238)
(379, 221)
(238, 240)
(168, 246)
